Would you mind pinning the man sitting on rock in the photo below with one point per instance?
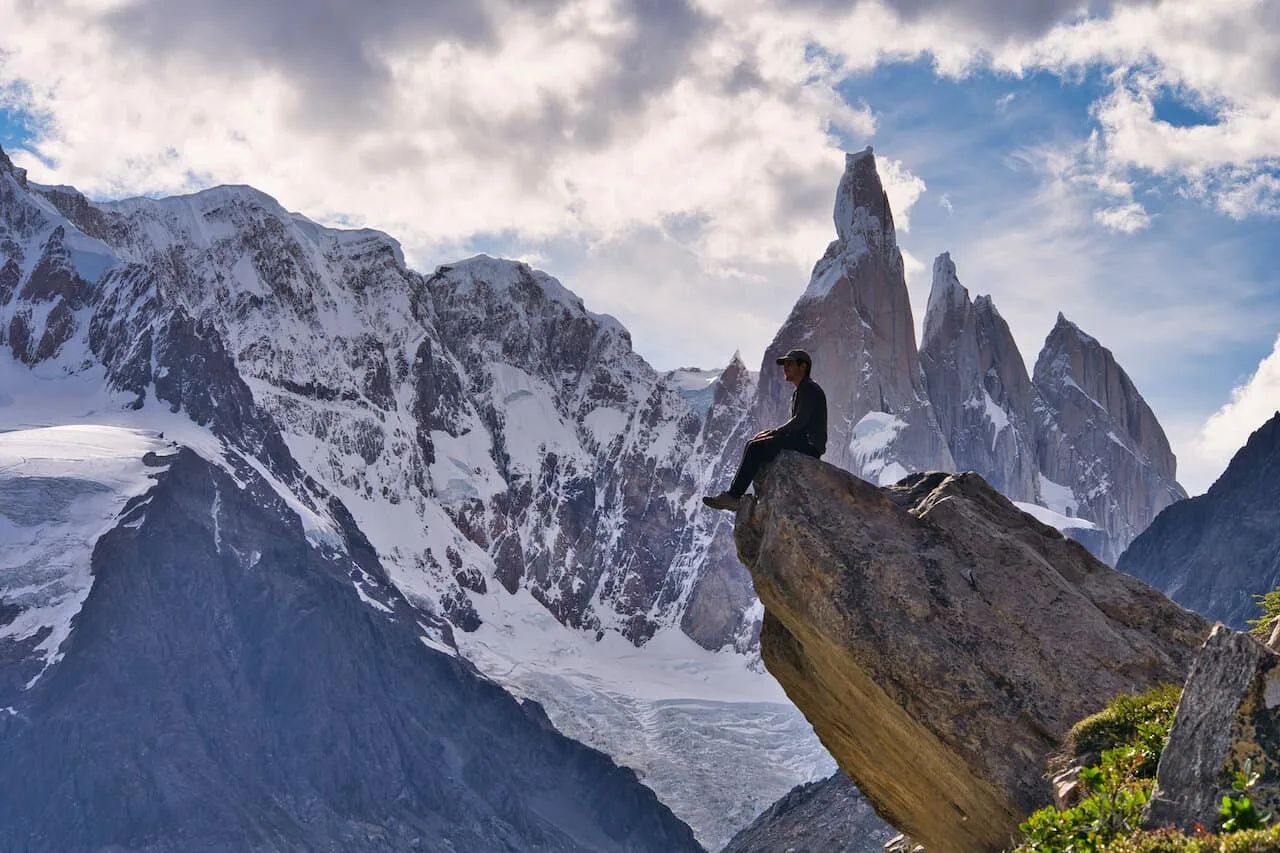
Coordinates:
(805, 432)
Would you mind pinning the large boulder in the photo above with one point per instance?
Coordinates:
(1229, 714)
(942, 642)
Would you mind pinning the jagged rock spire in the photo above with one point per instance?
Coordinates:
(862, 206)
(1098, 439)
(855, 320)
(978, 385)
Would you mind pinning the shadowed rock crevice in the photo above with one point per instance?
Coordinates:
(942, 642)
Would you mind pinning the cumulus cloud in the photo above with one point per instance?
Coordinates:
(1126, 218)
(1252, 404)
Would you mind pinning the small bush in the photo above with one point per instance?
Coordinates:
(1111, 808)
(1270, 604)
(1171, 841)
(1141, 721)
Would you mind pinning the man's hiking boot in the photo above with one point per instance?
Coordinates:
(724, 500)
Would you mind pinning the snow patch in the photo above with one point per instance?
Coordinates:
(534, 426)
(605, 424)
(1047, 516)
(1059, 498)
(872, 437)
(463, 469)
(997, 416)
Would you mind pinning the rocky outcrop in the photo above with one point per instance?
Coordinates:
(829, 816)
(855, 321)
(1216, 551)
(942, 642)
(978, 385)
(1229, 714)
(246, 695)
(1098, 442)
(7, 167)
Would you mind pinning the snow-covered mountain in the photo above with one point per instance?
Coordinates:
(503, 450)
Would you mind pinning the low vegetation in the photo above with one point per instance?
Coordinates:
(1120, 748)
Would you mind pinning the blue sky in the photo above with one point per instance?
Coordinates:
(675, 163)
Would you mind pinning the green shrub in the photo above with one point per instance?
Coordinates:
(1111, 808)
(1171, 841)
(1141, 721)
(1129, 735)
(1270, 604)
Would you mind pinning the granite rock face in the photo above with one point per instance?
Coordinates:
(228, 686)
(942, 642)
(1097, 437)
(1229, 714)
(978, 384)
(1215, 551)
(855, 321)
(829, 816)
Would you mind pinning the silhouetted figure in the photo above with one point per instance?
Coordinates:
(806, 431)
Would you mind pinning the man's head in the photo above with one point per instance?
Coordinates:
(796, 365)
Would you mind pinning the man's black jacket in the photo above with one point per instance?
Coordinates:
(808, 416)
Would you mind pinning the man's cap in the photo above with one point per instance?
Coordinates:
(796, 355)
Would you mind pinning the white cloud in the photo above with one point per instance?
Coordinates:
(903, 189)
(598, 124)
(1252, 404)
(1126, 218)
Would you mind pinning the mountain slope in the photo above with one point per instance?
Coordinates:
(1213, 553)
(828, 816)
(1098, 442)
(230, 685)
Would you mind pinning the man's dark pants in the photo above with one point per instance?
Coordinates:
(762, 450)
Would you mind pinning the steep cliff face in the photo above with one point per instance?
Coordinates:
(855, 320)
(979, 387)
(231, 680)
(1098, 443)
(1216, 551)
(942, 642)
